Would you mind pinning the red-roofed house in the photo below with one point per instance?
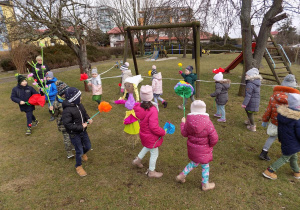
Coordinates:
(116, 37)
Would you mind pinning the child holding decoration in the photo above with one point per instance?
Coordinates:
(39, 71)
(221, 94)
(96, 84)
(202, 137)
(51, 91)
(76, 120)
(190, 78)
(150, 132)
(289, 136)
(157, 86)
(252, 98)
(20, 95)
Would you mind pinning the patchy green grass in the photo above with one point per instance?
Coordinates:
(35, 173)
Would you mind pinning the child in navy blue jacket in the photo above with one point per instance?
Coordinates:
(289, 137)
(20, 94)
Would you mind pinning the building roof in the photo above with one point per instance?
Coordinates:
(116, 30)
(274, 33)
(6, 3)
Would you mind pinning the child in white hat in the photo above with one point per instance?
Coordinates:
(96, 84)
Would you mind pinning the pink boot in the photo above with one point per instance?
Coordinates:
(137, 162)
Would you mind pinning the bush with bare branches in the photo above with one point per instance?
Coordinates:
(20, 55)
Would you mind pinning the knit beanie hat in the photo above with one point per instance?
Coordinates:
(73, 95)
(252, 72)
(294, 101)
(198, 106)
(218, 76)
(146, 93)
(49, 74)
(153, 70)
(190, 68)
(123, 67)
(127, 64)
(61, 87)
(94, 71)
(21, 78)
(289, 81)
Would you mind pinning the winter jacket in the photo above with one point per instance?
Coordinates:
(279, 97)
(157, 83)
(40, 72)
(21, 93)
(96, 85)
(125, 74)
(52, 90)
(288, 130)
(221, 92)
(252, 98)
(202, 137)
(73, 116)
(150, 133)
(191, 78)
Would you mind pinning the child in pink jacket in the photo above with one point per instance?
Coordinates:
(150, 133)
(96, 84)
(202, 137)
(157, 86)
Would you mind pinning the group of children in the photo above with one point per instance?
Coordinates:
(72, 119)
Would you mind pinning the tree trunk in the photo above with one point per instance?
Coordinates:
(84, 64)
(225, 38)
(184, 48)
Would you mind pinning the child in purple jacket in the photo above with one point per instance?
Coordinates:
(202, 137)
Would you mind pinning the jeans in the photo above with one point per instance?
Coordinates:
(153, 156)
(30, 117)
(269, 142)
(82, 145)
(157, 96)
(221, 111)
(293, 159)
(185, 100)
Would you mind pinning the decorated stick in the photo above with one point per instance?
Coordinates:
(180, 66)
(103, 107)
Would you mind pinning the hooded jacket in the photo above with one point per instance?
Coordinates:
(21, 93)
(157, 83)
(221, 92)
(288, 130)
(73, 116)
(125, 74)
(191, 78)
(279, 97)
(52, 92)
(252, 98)
(150, 133)
(96, 85)
(202, 137)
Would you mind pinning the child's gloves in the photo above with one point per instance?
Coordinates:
(264, 124)
(180, 72)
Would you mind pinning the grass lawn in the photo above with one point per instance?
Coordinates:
(35, 173)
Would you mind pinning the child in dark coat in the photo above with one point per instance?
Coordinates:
(189, 77)
(20, 94)
(221, 94)
(75, 120)
(289, 136)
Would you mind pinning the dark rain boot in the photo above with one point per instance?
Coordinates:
(264, 155)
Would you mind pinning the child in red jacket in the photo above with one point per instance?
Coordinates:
(202, 137)
(150, 132)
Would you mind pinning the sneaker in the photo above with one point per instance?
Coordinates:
(137, 162)
(297, 175)
(180, 107)
(221, 120)
(217, 115)
(28, 131)
(84, 157)
(208, 186)
(52, 118)
(181, 178)
(80, 171)
(270, 175)
(35, 123)
(251, 128)
(165, 104)
(264, 155)
(69, 154)
(247, 122)
(154, 174)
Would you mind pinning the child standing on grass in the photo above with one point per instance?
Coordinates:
(52, 91)
(76, 120)
(40, 71)
(150, 133)
(125, 74)
(20, 94)
(96, 84)
(58, 109)
(221, 94)
(189, 77)
(252, 96)
(289, 136)
(157, 87)
(202, 137)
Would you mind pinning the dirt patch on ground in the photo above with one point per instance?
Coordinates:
(18, 185)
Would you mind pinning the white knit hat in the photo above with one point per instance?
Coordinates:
(289, 81)
(294, 101)
(94, 71)
(218, 76)
(127, 64)
(146, 93)
(198, 106)
(252, 72)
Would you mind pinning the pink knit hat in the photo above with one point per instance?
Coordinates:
(146, 93)
(198, 106)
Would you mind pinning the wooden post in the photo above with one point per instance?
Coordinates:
(132, 51)
(197, 61)
(125, 48)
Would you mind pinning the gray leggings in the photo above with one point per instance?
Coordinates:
(269, 142)
(250, 117)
